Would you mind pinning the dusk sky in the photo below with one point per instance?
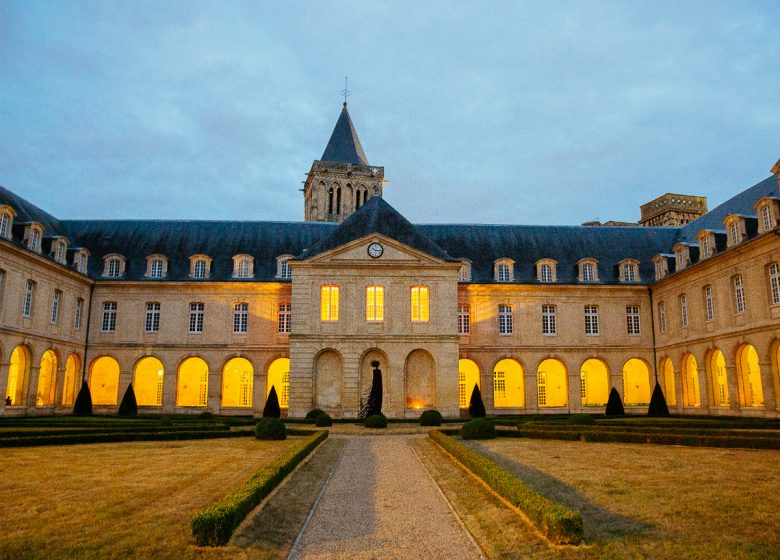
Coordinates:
(512, 112)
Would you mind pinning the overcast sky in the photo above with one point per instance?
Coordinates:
(513, 112)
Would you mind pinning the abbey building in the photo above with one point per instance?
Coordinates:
(210, 315)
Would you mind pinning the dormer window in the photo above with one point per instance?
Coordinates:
(243, 266)
(503, 270)
(464, 273)
(113, 266)
(588, 270)
(629, 271)
(6, 221)
(156, 266)
(706, 244)
(735, 229)
(34, 237)
(59, 249)
(546, 271)
(681, 256)
(80, 260)
(767, 210)
(283, 269)
(200, 267)
(661, 266)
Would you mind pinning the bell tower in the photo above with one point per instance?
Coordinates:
(342, 180)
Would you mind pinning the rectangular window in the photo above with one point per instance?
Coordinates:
(27, 303)
(375, 303)
(541, 389)
(583, 387)
(59, 253)
(774, 282)
(35, 240)
(199, 269)
(113, 268)
(684, 310)
(152, 323)
(766, 218)
(705, 246)
(587, 273)
(240, 317)
(734, 233)
(739, 294)
(662, 317)
(709, 303)
(77, 313)
(420, 302)
(284, 318)
(502, 273)
(463, 401)
(108, 324)
(549, 325)
(499, 386)
(329, 303)
(196, 317)
(505, 320)
(628, 272)
(591, 320)
(4, 221)
(632, 320)
(285, 271)
(545, 273)
(464, 319)
(157, 269)
(55, 307)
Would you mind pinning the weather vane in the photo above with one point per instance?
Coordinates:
(345, 91)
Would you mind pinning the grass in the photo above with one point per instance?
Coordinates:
(124, 500)
(637, 501)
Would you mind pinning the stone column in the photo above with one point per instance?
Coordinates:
(733, 383)
(768, 386)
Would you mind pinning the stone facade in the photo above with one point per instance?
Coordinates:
(672, 210)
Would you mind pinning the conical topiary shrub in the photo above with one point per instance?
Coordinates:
(615, 404)
(476, 406)
(658, 406)
(129, 406)
(83, 405)
(272, 409)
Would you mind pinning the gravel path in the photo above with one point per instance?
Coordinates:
(381, 503)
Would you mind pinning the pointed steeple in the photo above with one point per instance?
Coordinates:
(344, 144)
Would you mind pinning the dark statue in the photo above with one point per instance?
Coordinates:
(374, 403)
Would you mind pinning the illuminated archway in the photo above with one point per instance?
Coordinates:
(667, 381)
(72, 368)
(192, 383)
(47, 376)
(508, 384)
(18, 375)
(468, 377)
(148, 381)
(551, 384)
(719, 378)
(420, 380)
(594, 383)
(690, 373)
(749, 373)
(327, 379)
(237, 381)
(636, 382)
(104, 380)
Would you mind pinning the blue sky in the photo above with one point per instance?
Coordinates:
(509, 112)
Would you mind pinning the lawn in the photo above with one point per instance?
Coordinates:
(119, 500)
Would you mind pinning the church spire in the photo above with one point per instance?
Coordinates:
(344, 144)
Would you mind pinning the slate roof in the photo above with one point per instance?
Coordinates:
(344, 144)
(27, 212)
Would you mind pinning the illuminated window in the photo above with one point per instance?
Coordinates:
(196, 317)
(739, 294)
(55, 307)
(419, 303)
(505, 320)
(329, 303)
(240, 317)
(284, 318)
(462, 399)
(77, 312)
(468, 379)
(152, 323)
(279, 379)
(499, 385)
(108, 322)
(375, 303)
(662, 317)
(237, 383)
(464, 319)
(27, 303)
(632, 320)
(541, 388)
(774, 282)
(192, 384)
(148, 381)
(683, 310)
(709, 303)
(591, 320)
(549, 323)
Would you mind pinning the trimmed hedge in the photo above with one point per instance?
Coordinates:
(38, 432)
(313, 413)
(323, 420)
(478, 428)
(270, 428)
(558, 523)
(119, 437)
(375, 421)
(430, 418)
(213, 525)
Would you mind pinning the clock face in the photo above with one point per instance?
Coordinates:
(375, 250)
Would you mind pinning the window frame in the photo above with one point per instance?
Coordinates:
(78, 312)
(773, 275)
(591, 316)
(28, 299)
(197, 261)
(464, 319)
(196, 317)
(662, 317)
(740, 301)
(709, 303)
(330, 295)
(240, 317)
(284, 317)
(549, 320)
(633, 320)
(54, 316)
(420, 306)
(375, 303)
(506, 321)
(109, 317)
(152, 317)
(683, 301)
(243, 267)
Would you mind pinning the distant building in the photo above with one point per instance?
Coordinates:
(209, 315)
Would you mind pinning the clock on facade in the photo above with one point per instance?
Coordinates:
(375, 250)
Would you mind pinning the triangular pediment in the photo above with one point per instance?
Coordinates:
(374, 249)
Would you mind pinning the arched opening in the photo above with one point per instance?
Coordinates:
(719, 378)
(365, 196)
(330, 201)
(148, 381)
(18, 375)
(690, 373)
(104, 381)
(192, 383)
(667, 381)
(420, 380)
(338, 200)
(367, 375)
(72, 368)
(47, 375)
(279, 377)
(508, 384)
(327, 380)
(749, 373)
(594, 383)
(357, 199)
(636, 382)
(552, 388)
(237, 382)
(468, 377)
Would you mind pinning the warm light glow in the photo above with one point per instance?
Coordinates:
(667, 379)
(148, 382)
(237, 383)
(69, 381)
(750, 374)
(690, 373)
(468, 377)
(594, 379)
(420, 302)
(375, 303)
(552, 386)
(192, 384)
(47, 373)
(279, 377)
(18, 373)
(420, 380)
(104, 381)
(636, 383)
(508, 384)
(720, 384)
(329, 303)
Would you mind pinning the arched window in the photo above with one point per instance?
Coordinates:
(594, 383)
(588, 270)
(749, 374)
(508, 384)
(34, 236)
(243, 266)
(18, 376)
(60, 250)
(72, 367)
(148, 381)
(283, 269)
(104, 381)
(468, 378)
(636, 382)
(503, 270)
(546, 271)
(237, 382)
(552, 388)
(156, 266)
(338, 200)
(47, 375)
(667, 381)
(113, 266)
(279, 377)
(719, 378)
(192, 383)
(330, 200)
(690, 372)
(7, 215)
(200, 267)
